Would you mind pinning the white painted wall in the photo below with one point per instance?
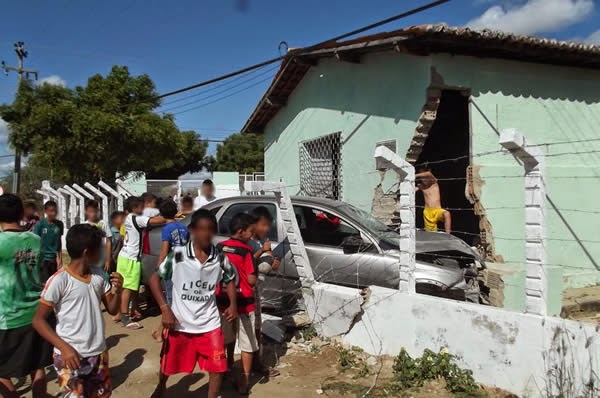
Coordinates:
(509, 350)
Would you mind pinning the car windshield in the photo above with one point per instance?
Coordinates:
(366, 219)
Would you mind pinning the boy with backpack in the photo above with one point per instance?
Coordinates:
(193, 324)
(240, 254)
(263, 256)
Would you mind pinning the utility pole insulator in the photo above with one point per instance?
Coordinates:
(21, 55)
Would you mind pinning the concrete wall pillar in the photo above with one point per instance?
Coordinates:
(406, 173)
(537, 278)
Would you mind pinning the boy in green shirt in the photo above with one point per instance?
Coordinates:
(50, 230)
(22, 351)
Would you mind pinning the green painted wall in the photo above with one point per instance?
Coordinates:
(381, 99)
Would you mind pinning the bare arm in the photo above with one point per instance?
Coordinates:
(168, 318)
(252, 279)
(112, 299)
(231, 311)
(40, 324)
(157, 220)
(107, 254)
(164, 251)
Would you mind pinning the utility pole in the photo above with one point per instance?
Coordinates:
(21, 54)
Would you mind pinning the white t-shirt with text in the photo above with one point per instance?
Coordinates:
(132, 244)
(194, 285)
(76, 302)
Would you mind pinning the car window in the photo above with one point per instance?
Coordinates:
(215, 210)
(322, 228)
(237, 208)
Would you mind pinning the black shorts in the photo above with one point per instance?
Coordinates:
(23, 351)
(49, 268)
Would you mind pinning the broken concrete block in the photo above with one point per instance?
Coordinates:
(334, 309)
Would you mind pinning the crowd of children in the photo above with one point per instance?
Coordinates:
(208, 295)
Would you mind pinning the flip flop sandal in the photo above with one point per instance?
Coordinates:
(133, 326)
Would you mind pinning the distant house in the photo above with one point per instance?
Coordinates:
(439, 95)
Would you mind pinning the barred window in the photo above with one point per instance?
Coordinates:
(320, 167)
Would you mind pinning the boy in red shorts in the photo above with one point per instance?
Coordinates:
(192, 323)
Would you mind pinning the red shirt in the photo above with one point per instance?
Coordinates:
(240, 256)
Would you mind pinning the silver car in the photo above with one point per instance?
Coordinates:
(347, 246)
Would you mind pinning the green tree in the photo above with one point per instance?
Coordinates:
(241, 152)
(106, 127)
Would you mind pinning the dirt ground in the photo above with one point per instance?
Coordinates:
(134, 358)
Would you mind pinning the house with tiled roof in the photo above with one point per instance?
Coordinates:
(440, 96)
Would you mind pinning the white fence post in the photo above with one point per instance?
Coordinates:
(44, 194)
(82, 191)
(406, 173)
(103, 199)
(536, 285)
(72, 207)
(122, 188)
(81, 202)
(113, 193)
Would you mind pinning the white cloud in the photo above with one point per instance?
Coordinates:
(594, 38)
(533, 16)
(53, 80)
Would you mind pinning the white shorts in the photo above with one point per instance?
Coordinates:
(243, 328)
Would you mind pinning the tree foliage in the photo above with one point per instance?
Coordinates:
(241, 152)
(107, 127)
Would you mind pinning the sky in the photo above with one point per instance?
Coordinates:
(182, 42)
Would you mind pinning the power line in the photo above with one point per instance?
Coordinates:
(223, 97)
(217, 86)
(281, 57)
(222, 91)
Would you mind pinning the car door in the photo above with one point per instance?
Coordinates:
(326, 236)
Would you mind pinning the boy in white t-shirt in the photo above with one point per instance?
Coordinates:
(129, 261)
(207, 195)
(75, 293)
(193, 326)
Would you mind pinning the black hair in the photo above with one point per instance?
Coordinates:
(168, 209)
(93, 203)
(241, 222)
(159, 201)
(148, 197)
(81, 237)
(208, 182)
(116, 214)
(203, 214)
(50, 204)
(187, 200)
(132, 202)
(30, 204)
(11, 208)
(261, 212)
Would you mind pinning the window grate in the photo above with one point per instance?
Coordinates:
(320, 167)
